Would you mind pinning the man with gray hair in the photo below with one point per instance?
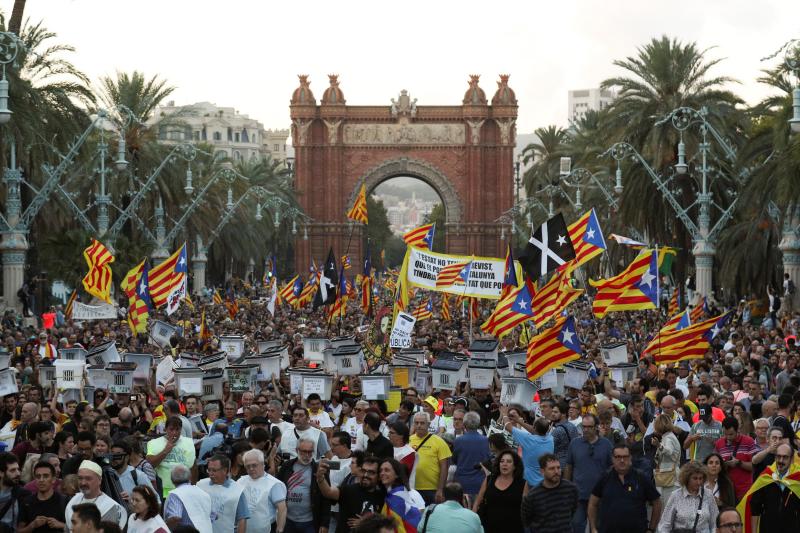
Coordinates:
(306, 508)
(469, 451)
(433, 454)
(265, 494)
(187, 505)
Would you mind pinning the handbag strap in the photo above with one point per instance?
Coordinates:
(699, 506)
(423, 441)
(427, 516)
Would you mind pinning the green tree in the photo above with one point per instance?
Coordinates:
(378, 230)
(664, 75)
(437, 216)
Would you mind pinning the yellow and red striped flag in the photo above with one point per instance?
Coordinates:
(421, 237)
(135, 287)
(473, 308)
(97, 281)
(692, 342)
(549, 301)
(698, 310)
(290, 293)
(511, 311)
(217, 297)
(205, 333)
(448, 275)
(70, 304)
(674, 303)
(635, 288)
(587, 239)
(445, 307)
(553, 347)
(359, 210)
(167, 276)
(424, 311)
(188, 301)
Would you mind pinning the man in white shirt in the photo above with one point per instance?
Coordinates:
(229, 509)
(265, 494)
(318, 416)
(275, 417)
(187, 505)
(89, 478)
(304, 430)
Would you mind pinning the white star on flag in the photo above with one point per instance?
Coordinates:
(522, 303)
(590, 233)
(561, 240)
(142, 286)
(647, 277)
(566, 336)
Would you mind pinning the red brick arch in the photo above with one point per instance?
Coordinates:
(465, 152)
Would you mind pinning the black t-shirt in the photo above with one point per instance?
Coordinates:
(759, 467)
(31, 506)
(356, 500)
(381, 448)
(623, 506)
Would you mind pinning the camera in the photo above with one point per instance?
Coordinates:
(333, 465)
(134, 397)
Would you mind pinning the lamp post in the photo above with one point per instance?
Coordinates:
(517, 179)
(703, 234)
(791, 59)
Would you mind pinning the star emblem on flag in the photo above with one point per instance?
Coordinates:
(568, 336)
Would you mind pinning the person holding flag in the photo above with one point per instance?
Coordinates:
(366, 284)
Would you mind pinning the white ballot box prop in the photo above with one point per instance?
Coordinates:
(317, 382)
(615, 354)
(212, 384)
(516, 363)
(70, 395)
(314, 349)
(327, 357)
(447, 373)
(103, 354)
(481, 372)
(553, 379)
(403, 371)
(120, 377)
(241, 378)
(161, 333)
(418, 355)
(69, 374)
(423, 381)
(623, 373)
(144, 361)
(484, 349)
(189, 359)
(375, 386)
(264, 345)
(577, 372)
(518, 391)
(47, 376)
(269, 366)
(281, 351)
(342, 341)
(233, 345)
(215, 360)
(5, 358)
(72, 354)
(97, 377)
(189, 381)
(502, 365)
(8, 382)
(348, 359)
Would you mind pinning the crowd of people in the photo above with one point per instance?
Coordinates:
(676, 448)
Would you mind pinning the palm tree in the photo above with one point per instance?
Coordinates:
(664, 75)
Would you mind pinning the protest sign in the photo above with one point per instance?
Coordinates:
(485, 276)
(82, 311)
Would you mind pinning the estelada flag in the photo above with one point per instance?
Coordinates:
(636, 288)
(167, 276)
(511, 311)
(97, 281)
(135, 285)
(445, 310)
(448, 275)
(587, 238)
(359, 210)
(421, 237)
(553, 347)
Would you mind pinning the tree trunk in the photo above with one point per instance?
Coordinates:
(15, 23)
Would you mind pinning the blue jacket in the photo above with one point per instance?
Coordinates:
(469, 450)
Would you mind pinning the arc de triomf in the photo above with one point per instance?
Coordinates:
(465, 152)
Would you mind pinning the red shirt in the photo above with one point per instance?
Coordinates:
(745, 448)
(48, 320)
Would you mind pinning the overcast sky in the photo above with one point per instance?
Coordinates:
(246, 54)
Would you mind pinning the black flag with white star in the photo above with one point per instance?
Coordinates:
(326, 293)
(548, 248)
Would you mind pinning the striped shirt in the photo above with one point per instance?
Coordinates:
(550, 510)
(744, 448)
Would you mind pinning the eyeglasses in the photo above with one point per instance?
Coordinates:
(733, 526)
(622, 457)
(251, 465)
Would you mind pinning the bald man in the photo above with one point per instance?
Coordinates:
(28, 415)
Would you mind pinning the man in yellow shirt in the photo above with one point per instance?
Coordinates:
(433, 453)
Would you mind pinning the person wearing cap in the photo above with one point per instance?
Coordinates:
(430, 405)
(90, 477)
(704, 434)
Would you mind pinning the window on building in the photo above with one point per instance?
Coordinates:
(284, 147)
(217, 136)
(245, 137)
(220, 154)
(162, 133)
(276, 147)
(230, 134)
(237, 156)
(236, 137)
(204, 134)
(196, 135)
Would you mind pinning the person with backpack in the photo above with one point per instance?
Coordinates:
(128, 476)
